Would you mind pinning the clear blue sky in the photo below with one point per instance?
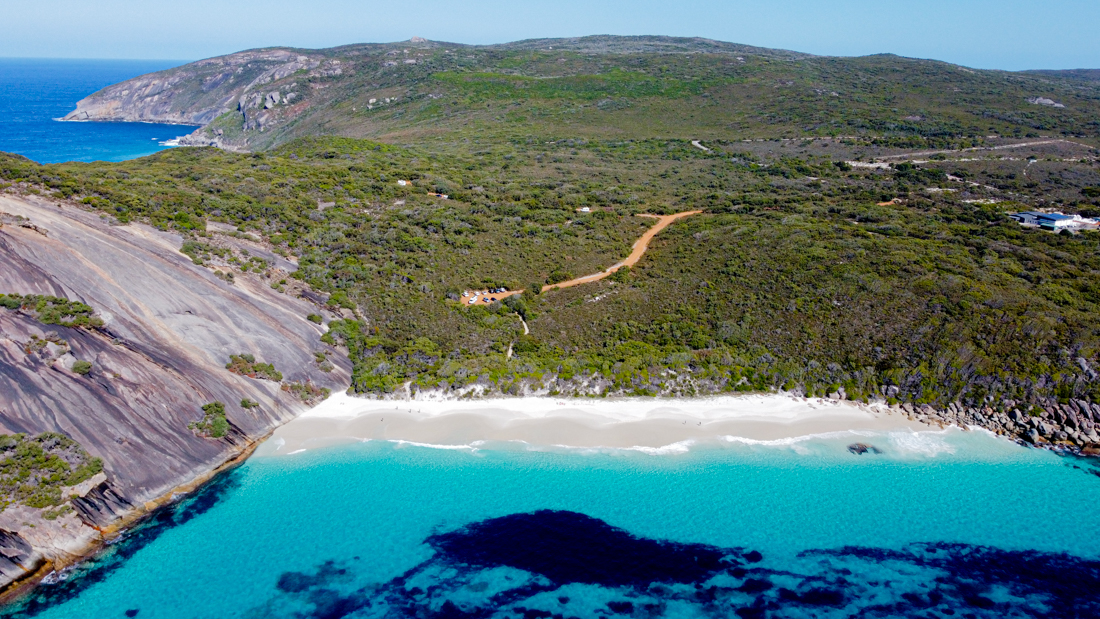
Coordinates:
(995, 34)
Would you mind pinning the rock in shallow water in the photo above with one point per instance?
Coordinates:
(862, 448)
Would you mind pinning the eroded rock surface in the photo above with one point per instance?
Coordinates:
(169, 328)
(194, 94)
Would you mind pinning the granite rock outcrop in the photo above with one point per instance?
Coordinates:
(169, 326)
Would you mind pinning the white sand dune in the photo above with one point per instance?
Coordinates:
(643, 423)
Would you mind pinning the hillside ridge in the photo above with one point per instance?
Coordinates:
(605, 86)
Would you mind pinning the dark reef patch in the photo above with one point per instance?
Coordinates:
(553, 564)
(965, 577)
(568, 547)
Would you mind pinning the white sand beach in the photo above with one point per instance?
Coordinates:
(642, 423)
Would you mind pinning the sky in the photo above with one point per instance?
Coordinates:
(988, 34)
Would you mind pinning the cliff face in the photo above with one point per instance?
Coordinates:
(170, 327)
(194, 94)
(259, 98)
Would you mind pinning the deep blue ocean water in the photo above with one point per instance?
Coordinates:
(33, 92)
(940, 524)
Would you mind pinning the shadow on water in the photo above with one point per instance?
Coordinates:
(554, 564)
(60, 588)
(558, 564)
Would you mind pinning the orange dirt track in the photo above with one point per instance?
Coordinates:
(639, 248)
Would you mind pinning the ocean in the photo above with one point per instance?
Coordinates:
(33, 92)
(940, 523)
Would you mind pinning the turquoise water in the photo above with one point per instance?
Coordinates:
(33, 92)
(342, 531)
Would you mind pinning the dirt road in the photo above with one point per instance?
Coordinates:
(642, 244)
(639, 248)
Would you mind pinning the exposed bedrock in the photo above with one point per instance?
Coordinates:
(194, 94)
(170, 327)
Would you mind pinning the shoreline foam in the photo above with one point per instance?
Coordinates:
(646, 424)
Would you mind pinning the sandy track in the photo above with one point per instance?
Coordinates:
(639, 248)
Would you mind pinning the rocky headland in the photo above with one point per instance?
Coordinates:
(157, 353)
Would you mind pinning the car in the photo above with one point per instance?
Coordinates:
(466, 294)
(473, 300)
(494, 299)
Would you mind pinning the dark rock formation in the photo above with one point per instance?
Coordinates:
(863, 448)
(16, 556)
(102, 506)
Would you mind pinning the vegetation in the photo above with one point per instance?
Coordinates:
(35, 470)
(52, 310)
(246, 365)
(809, 270)
(306, 391)
(599, 89)
(213, 423)
(82, 367)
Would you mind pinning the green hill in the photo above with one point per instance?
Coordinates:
(591, 87)
(854, 230)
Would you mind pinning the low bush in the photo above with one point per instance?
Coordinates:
(246, 365)
(213, 423)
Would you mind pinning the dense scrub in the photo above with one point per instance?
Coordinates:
(34, 470)
(246, 365)
(430, 92)
(213, 423)
(53, 310)
(810, 269)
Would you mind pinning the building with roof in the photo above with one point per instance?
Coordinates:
(1052, 221)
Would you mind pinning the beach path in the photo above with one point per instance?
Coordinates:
(638, 250)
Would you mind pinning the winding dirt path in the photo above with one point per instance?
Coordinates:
(638, 249)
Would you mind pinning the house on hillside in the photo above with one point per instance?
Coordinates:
(1052, 221)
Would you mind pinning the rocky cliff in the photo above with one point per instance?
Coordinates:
(194, 94)
(169, 327)
(258, 98)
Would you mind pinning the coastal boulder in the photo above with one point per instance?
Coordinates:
(863, 448)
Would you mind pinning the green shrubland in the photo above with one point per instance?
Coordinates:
(52, 310)
(35, 469)
(794, 276)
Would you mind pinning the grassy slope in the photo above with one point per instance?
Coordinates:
(792, 278)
